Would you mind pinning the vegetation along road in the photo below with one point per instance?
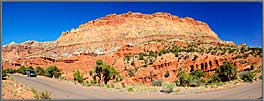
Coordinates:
(61, 89)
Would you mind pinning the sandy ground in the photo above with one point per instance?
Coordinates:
(15, 90)
(61, 89)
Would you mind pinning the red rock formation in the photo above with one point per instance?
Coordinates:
(113, 37)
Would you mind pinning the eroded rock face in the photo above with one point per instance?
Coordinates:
(134, 25)
(115, 37)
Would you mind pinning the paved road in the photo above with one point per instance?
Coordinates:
(68, 90)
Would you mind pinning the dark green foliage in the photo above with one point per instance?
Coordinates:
(91, 73)
(22, 70)
(247, 76)
(104, 72)
(167, 87)
(4, 74)
(195, 57)
(132, 72)
(260, 77)
(245, 55)
(167, 74)
(243, 49)
(40, 71)
(193, 79)
(231, 51)
(53, 71)
(29, 68)
(141, 56)
(127, 58)
(157, 83)
(237, 57)
(214, 79)
(226, 72)
(153, 54)
(198, 73)
(78, 76)
(176, 54)
(133, 63)
(119, 78)
(243, 62)
(10, 71)
(183, 78)
(130, 89)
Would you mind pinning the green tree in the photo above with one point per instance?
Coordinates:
(104, 72)
(22, 70)
(141, 56)
(10, 71)
(127, 58)
(167, 74)
(198, 73)
(247, 76)
(40, 71)
(29, 68)
(53, 71)
(157, 83)
(78, 76)
(226, 72)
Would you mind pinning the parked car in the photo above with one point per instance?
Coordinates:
(31, 73)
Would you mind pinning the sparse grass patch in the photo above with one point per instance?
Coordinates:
(247, 76)
(167, 87)
(40, 95)
(78, 76)
(157, 83)
(130, 89)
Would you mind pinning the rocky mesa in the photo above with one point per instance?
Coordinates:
(141, 47)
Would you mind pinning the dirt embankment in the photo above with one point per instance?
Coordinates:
(12, 89)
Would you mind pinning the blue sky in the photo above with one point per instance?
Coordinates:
(44, 21)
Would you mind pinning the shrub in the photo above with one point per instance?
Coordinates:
(213, 79)
(40, 95)
(10, 71)
(141, 56)
(152, 54)
(167, 87)
(53, 71)
(110, 85)
(247, 76)
(260, 77)
(130, 89)
(133, 63)
(4, 74)
(237, 57)
(167, 74)
(78, 76)
(195, 81)
(127, 58)
(198, 73)
(22, 70)
(132, 72)
(104, 72)
(226, 72)
(40, 71)
(195, 57)
(89, 82)
(183, 78)
(157, 83)
(29, 68)
(118, 78)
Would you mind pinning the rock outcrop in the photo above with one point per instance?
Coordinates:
(141, 47)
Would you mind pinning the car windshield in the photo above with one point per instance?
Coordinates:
(31, 71)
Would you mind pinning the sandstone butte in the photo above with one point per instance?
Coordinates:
(115, 36)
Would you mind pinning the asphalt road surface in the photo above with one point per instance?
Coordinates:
(60, 89)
